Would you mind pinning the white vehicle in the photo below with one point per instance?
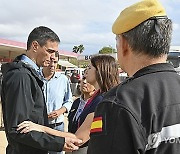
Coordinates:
(174, 58)
(69, 71)
(122, 76)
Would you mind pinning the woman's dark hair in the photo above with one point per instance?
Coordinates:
(107, 74)
(42, 34)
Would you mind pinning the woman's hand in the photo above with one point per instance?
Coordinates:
(67, 134)
(28, 126)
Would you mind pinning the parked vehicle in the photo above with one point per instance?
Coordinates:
(69, 71)
(174, 58)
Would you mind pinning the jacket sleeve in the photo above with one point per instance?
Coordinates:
(129, 136)
(121, 133)
(19, 106)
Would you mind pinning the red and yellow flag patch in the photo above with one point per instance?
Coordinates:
(96, 125)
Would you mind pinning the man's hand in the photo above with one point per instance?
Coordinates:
(56, 113)
(71, 144)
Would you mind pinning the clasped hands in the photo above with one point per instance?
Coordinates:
(71, 142)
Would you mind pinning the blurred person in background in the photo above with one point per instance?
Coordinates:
(75, 78)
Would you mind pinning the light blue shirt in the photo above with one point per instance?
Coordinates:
(26, 59)
(57, 93)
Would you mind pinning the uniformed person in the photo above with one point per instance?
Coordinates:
(142, 114)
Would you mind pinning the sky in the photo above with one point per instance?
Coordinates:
(87, 22)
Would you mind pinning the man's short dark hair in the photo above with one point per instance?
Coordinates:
(152, 37)
(42, 34)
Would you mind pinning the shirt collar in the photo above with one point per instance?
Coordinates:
(26, 59)
(82, 100)
(56, 75)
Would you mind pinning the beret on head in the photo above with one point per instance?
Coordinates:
(134, 15)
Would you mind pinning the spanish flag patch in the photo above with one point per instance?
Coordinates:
(97, 125)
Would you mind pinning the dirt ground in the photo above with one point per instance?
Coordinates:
(3, 141)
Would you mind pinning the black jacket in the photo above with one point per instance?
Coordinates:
(74, 125)
(22, 99)
(141, 115)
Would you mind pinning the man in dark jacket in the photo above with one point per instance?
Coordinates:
(22, 97)
(141, 115)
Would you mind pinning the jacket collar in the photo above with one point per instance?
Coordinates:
(160, 67)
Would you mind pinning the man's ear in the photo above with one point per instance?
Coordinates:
(35, 45)
(125, 45)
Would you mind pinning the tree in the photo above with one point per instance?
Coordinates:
(107, 50)
(79, 49)
(75, 49)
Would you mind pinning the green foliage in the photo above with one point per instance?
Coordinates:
(73, 61)
(79, 49)
(107, 50)
(81, 64)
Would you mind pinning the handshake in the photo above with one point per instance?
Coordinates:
(71, 144)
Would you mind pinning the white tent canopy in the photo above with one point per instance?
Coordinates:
(65, 63)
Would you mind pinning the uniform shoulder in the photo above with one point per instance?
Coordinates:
(111, 92)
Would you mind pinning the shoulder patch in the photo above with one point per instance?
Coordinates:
(97, 125)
